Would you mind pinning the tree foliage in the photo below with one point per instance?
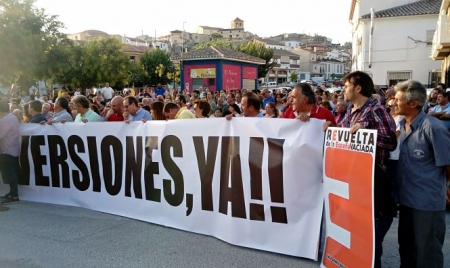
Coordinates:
(156, 64)
(216, 36)
(92, 64)
(28, 36)
(174, 73)
(253, 48)
(216, 43)
(294, 77)
(258, 49)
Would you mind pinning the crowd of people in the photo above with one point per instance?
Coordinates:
(412, 155)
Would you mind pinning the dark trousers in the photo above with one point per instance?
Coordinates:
(9, 166)
(391, 167)
(421, 236)
(382, 226)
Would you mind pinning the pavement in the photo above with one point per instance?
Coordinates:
(36, 235)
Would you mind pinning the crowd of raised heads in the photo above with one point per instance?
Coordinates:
(106, 104)
(157, 103)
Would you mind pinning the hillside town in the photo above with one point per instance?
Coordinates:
(307, 56)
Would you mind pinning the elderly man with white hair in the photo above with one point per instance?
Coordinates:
(46, 111)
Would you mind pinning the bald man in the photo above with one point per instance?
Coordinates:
(115, 114)
(18, 114)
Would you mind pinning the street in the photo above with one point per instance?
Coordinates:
(44, 235)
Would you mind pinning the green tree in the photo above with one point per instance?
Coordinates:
(258, 49)
(157, 64)
(174, 73)
(216, 36)
(92, 64)
(28, 35)
(216, 43)
(137, 75)
(294, 77)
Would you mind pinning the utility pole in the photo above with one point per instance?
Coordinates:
(181, 60)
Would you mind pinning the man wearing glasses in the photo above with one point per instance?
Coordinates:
(267, 97)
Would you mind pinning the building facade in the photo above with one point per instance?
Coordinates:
(398, 46)
(286, 64)
(440, 50)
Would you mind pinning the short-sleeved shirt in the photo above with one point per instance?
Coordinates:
(424, 155)
(116, 118)
(267, 100)
(90, 115)
(260, 115)
(62, 115)
(320, 113)
(184, 113)
(140, 115)
(439, 109)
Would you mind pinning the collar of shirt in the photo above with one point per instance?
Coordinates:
(314, 110)
(446, 106)
(417, 120)
(86, 113)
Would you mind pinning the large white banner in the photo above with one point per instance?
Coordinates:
(253, 182)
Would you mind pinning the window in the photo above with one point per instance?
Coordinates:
(132, 58)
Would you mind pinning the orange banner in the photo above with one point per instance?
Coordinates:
(348, 182)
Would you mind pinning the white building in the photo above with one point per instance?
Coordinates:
(286, 64)
(135, 41)
(399, 48)
(293, 44)
(440, 50)
(274, 44)
(333, 68)
(161, 45)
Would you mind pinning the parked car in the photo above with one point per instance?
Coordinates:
(306, 81)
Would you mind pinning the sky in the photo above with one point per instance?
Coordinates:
(264, 18)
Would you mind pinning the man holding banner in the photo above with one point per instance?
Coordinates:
(424, 167)
(366, 114)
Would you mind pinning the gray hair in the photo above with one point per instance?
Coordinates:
(413, 90)
(81, 100)
(341, 102)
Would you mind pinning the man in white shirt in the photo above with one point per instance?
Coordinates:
(108, 92)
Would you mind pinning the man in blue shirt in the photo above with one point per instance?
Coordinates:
(159, 90)
(135, 113)
(442, 109)
(422, 171)
(267, 97)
